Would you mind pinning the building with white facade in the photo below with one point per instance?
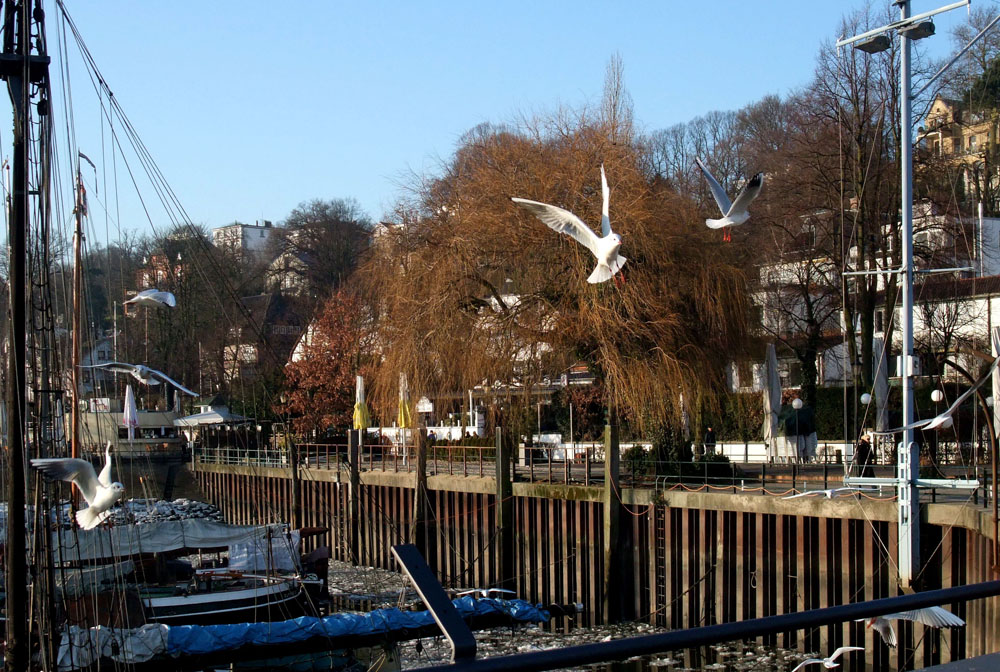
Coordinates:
(247, 240)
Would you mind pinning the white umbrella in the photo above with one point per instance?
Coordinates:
(881, 384)
(772, 399)
(685, 420)
(131, 419)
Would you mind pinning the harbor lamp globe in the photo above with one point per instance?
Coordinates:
(866, 398)
(797, 404)
(937, 396)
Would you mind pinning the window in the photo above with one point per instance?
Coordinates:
(744, 374)
(972, 143)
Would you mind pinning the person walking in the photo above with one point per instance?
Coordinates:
(710, 441)
(863, 456)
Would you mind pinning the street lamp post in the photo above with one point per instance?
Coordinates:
(797, 405)
(908, 498)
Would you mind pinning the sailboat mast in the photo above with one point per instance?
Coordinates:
(16, 656)
(77, 312)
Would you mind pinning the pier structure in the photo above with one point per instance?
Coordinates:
(676, 553)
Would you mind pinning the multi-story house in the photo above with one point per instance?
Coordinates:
(965, 139)
(263, 339)
(248, 241)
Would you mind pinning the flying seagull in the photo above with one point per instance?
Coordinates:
(829, 494)
(604, 248)
(936, 617)
(828, 661)
(153, 298)
(483, 593)
(98, 491)
(944, 420)
(143, 374)
(734, 213)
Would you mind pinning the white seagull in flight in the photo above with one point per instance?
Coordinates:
(828, 662)
(143, 374)
(734, 213)
(936, 617)
(944, 420)
(99, 492)
(829, 494)
(153, 298)
(605, 248)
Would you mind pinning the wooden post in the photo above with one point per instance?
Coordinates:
(612, 598)
(354, 495)
(418, 532)
(505, 513)
(293, 460)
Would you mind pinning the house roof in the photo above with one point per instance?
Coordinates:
(951, 288)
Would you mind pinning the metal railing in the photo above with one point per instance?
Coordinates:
(622, 649)
(584, 465)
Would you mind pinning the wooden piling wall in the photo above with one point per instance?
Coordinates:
(687, 558)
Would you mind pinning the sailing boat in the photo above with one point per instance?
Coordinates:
(33, 403)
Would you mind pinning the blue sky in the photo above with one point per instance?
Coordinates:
(250, 108)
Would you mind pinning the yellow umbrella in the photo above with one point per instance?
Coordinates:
(405, 417)
(361, 417)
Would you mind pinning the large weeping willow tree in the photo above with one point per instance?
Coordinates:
(468, 289)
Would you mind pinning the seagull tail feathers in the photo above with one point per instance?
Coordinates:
(717, 223)
(601, 274)
(88, 519)
(619, 262)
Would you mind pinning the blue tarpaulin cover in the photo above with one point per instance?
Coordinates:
(200, 639)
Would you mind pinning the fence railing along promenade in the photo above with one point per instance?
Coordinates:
(584, 465)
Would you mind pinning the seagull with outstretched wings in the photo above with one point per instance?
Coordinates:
(829, 494)
(153, 298)
(944, 420)
(143, 374)
(828, 662)
(99, 492)
(736, 212)
(604, 248)
(936, 617)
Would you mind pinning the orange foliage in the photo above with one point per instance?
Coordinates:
(320, 383)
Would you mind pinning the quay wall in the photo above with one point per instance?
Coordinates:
(682, 559)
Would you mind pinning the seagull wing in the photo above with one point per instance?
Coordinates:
(721, 198)
(807, 493)
(606, 197)
(746, 196)
(919, 424)
(562, 221)
(162, 377)
(140, 296)
(116, 367)
(883, 627)
(842, 650)
(969, 392)
(940, 419)
(167, 299)
(79, 472)
(104, 478)
(808, 661)
(936, 617)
